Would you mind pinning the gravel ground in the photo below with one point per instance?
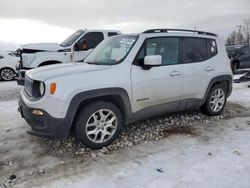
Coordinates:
(147, 130)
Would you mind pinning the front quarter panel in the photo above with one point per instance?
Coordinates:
(41, 57)
(118, 76)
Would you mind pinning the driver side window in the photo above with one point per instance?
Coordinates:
(89, 41)
(167, 47)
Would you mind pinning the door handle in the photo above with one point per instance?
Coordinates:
(208, 69)
(175, 73)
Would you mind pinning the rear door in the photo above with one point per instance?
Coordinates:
(198, 67)
(158, 86)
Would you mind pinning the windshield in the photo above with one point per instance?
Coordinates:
(72, 38)
(111, 51)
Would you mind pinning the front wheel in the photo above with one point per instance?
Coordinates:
(7, 74)
(98, 124)
(216, 100)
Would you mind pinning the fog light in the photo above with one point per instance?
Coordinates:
(37, 112)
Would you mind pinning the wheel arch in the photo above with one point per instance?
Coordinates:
(117, 96)
(223, 79)
(51, 62)
(8, 68)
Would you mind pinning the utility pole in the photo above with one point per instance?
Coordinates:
(238, 39)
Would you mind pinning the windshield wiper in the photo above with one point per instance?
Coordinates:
(92, 63)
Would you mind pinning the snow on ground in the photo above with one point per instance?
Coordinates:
(8, 106)
(241, 93)
(10, 85)
(9, 90)
(215, 155)
(218, 157)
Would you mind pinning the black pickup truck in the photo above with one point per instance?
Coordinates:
(240, 59)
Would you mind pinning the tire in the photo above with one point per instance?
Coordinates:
(234, 67)
(7, 74)
(94, 127)
(217, 96)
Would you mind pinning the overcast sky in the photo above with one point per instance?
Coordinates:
(29, 21)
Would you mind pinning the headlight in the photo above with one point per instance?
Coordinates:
(41, 88)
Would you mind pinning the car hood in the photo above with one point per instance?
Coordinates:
(51, 71)
(43, 46)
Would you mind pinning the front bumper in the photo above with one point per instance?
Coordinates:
(44, 125)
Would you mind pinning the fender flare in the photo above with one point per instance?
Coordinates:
(85, 96)
(222, 78)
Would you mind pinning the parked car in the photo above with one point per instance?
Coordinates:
(8, 65)
(241, 59)
(125, 79)
(75, 48)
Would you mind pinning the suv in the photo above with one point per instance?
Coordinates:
(125, 79)
(241, 59)
(75, 48)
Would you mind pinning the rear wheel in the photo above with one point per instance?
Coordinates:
(216, 100)
(7, 74)
(98, 124)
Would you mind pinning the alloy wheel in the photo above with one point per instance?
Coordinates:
(7, 74)
(217, 100)
(101, 126)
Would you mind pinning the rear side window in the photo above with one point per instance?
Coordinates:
(110, 34)
(211, 48)
(198, 49)
(194, 50)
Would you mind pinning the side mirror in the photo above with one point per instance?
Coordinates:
(152, 60)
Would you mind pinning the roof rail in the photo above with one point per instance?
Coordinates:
(185, 30)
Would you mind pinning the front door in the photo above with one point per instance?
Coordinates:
(157, 89)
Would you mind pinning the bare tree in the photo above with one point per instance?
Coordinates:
(232, 39)
(246, 30)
